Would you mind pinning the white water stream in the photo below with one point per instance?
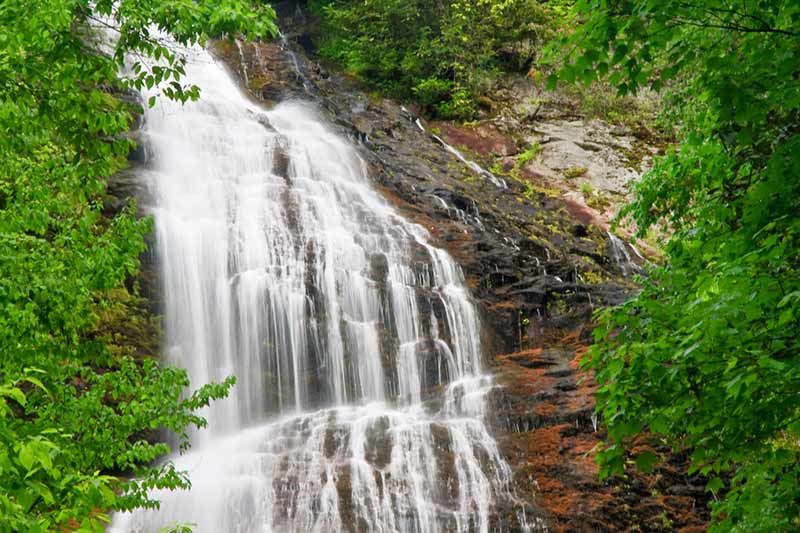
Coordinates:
(359, 404)
(621, 256)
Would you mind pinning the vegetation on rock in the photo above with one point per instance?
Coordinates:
(77, 411)
(444, 55)
(707, 356)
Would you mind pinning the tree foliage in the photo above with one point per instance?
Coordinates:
(74, 413)
(707, 356)
(442, 54)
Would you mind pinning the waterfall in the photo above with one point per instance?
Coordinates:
(359, 402)
(621, 256)
(475, 167)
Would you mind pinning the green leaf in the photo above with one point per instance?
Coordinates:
(15, 394)
(715, 484)
(646, 460)
(27, 456)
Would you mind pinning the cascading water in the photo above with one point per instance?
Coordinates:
(359, 404)
(475, 167)
(621, 256)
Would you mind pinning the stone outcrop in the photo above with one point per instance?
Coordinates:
(544, 415)
(537, 261)
(130, 323)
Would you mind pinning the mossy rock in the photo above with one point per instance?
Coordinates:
(126, 326)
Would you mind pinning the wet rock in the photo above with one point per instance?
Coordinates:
(484, 139)
(580, 230)
(140, 155)
(378, 450)
(545, 417)
(123, 187)
(281, 161)
(537, 263)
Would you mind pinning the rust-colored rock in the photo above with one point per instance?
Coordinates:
(544, 413)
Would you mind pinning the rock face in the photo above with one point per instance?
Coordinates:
(520, 248)
(545, 414)
(132, 325)
(538, 263)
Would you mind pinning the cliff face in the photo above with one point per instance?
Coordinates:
(537, 258)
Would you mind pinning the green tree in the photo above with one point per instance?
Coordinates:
(76, 411)
(707, 356)
(443, 54)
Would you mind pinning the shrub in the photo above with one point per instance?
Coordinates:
(445, 54)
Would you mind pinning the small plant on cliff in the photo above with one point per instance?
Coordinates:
(574, 172)
(76, 412)
(707, 356)
(528, 155)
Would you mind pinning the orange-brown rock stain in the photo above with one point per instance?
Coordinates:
(550, 439)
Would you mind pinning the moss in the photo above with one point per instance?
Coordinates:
(555, 228)
(593, 277)
(497, 169)
(126, 326)
(528, 191)
(484, 102)
(598, 202)
(257, 82)
(557, 305)
(538, 240)
(528, 155)
(344, 489)
(531, 107)
(532, 190)
(574, 172)
(666, 523)
(636, 154)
